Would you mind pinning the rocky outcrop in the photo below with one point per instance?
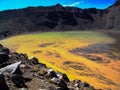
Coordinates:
(23, 73)
(58, 18)
(4, 54)
(112, 17)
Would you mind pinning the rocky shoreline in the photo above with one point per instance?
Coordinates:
(18, 72)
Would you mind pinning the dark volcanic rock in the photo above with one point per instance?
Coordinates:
(112, 17)
(4, 54)
(3, 57)
(2, 79)
(58, 18)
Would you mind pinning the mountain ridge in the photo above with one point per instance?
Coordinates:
(58, 18)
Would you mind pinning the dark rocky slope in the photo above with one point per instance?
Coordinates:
(58, 18)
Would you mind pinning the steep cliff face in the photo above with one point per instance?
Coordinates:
(57, 17)
(113, 16)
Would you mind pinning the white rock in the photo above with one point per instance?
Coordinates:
(10, 68)
(55, 80)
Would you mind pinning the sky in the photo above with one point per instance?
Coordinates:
(17, 4)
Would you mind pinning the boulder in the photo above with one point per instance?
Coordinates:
(63, 85)
(85, 84)
(64, 76)
(33, 61)
(35, 68)
(4, 56)
(51, 73)
(14, 73)
(3, 85)
(55, 80)
(42, 72)
(17, 74)
(4, 49)
(11, 69)
(23, 56)
(2, 79)
(77, 83)
(42, 65)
